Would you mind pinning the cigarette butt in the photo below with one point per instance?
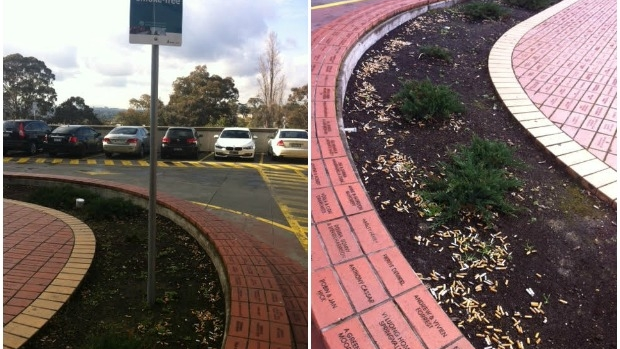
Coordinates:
(563, 301)
(534, 304)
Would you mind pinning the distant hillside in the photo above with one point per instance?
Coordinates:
(105, 114)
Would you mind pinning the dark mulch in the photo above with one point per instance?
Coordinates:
(561, 245)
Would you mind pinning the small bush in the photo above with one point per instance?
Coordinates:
(476, 179)
(422, 100)
(436, 52)
(532, 5)
(479, 11)
(95, 207)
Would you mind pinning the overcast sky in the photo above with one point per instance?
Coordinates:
(86, 45)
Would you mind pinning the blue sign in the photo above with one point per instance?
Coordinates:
(156, 22)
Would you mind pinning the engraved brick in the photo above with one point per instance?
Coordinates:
(329, 304)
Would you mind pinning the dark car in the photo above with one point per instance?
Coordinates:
(73, 139)
(180, 141)
(24, 135)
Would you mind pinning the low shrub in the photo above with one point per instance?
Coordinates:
(532, 5)
(436, 52)
(479, 11)
(422, 100)
(476, 180)
(95, 207)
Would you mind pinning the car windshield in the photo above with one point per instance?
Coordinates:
(9, 125)
(180, 133)
(293, 134)
(63, 129)
(124, 131)
(235, 134)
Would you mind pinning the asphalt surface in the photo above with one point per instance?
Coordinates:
(268, 200)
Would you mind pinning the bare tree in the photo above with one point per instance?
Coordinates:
(272, 81)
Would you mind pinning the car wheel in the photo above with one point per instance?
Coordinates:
(33, 149)
(141, 152)
(108, 155)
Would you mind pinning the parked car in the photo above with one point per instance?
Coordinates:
(235, 142)
(288, 143)
(180, 141)
(74, 139)
(127, 140)
(24, 135)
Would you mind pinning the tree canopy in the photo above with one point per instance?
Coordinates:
(139, 112)
(74, 111)
(296, 108)
(27, 87)
(202, 99)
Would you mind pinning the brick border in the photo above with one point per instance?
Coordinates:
(266, 293)
(363, 291)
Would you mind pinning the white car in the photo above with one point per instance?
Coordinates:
(235, 142)
(127, 140)
(288, 143)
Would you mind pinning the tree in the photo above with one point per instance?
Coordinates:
(202, 99)
(296, 108)
(139, 112)
(74, 111)
(27, 87)
(272, 81)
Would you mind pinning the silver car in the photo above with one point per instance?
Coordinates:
(127, 140)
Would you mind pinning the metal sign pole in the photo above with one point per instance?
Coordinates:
(152, 248)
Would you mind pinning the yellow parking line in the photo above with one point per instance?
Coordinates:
(74, 162)
(143, 163)
(281, 226)
(108, 162)
(91, 162)
(40, 160)
(126, 162)
(334, 4)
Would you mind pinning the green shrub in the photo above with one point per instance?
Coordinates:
(532, 5)
(479, 11)
(477, 180)
(436, 52)
(95, 207)
(422, 100)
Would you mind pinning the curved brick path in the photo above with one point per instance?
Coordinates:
(363, 291)
(556, 73)
(46, 255)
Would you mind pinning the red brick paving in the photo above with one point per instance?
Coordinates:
(567, 66)
(28, 231)
(360, 280)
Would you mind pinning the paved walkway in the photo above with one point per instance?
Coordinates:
(556, 72)
(46, 255)
(363, 291)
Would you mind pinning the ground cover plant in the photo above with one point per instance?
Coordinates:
(535, 267)
(109, 308)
